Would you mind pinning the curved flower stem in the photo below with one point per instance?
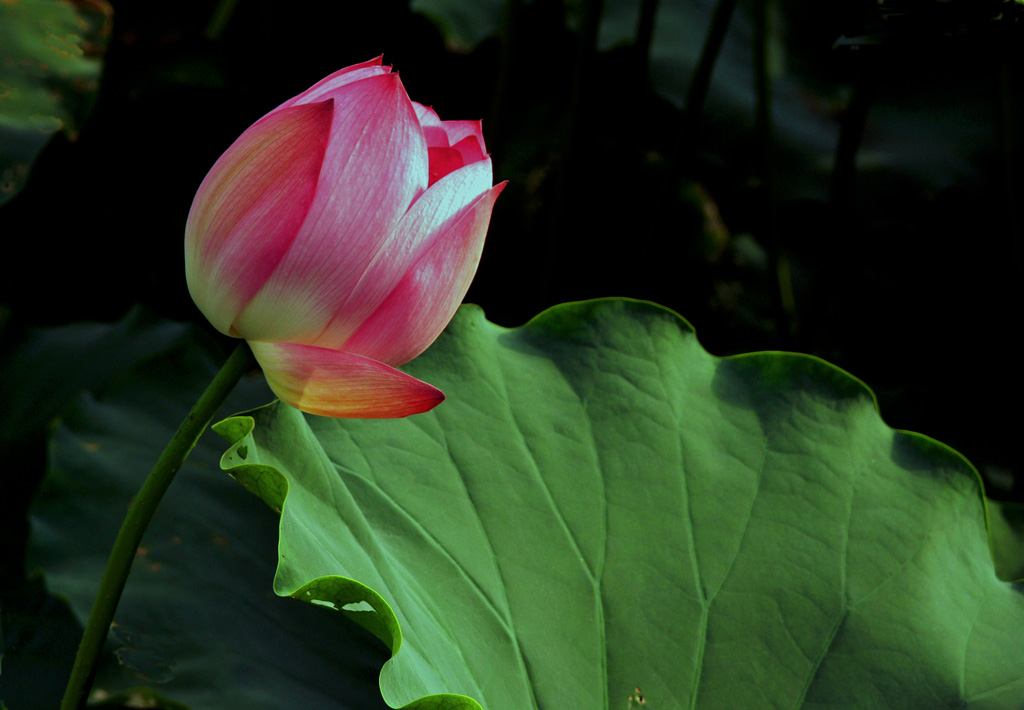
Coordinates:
(139, 514)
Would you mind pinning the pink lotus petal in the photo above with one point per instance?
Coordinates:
(435, 137)
(323, 89)
(249, 208)
(433, 131)
(426, 115)
(416, 312)
(469, 150)
(376, 165)
(443, 161)
(460, 130)
(331, 383)
(428, 220)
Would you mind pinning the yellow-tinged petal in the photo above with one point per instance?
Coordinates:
(250, 207)
(333, 383)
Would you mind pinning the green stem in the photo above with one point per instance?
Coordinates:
(139, 515)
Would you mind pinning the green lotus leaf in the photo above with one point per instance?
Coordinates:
(601, 511)
(1006, 522)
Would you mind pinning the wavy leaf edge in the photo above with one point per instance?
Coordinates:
(355, 599)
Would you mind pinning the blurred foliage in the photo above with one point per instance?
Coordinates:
(464, 23)
(50, 60)
(197, 621)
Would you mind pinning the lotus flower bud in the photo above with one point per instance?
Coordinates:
(338, 236)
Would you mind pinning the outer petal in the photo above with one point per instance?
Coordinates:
(338, 384)
(416, 312)
(249, 208)
(374, 168)
(429, 218)
(323, 89)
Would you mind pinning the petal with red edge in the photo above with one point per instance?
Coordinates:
(460, 130)
(469, 150)
(419, 308)
(250, 207)
(375, 166)
(429, 218)
(426, 115)
(433, 130)
(323, 88)
(332, 383)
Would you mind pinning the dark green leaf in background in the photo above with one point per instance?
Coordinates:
(464, 23)
(600, 505)
(198, 626)
(917, 111)
(50, 61)
(42, 372)
(47, 368)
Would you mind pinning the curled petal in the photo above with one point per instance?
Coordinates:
(332, 383)
(419, 308)
(249, 208)
(375, 166)
(458, 131)
(470, 150)
(430, 217)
